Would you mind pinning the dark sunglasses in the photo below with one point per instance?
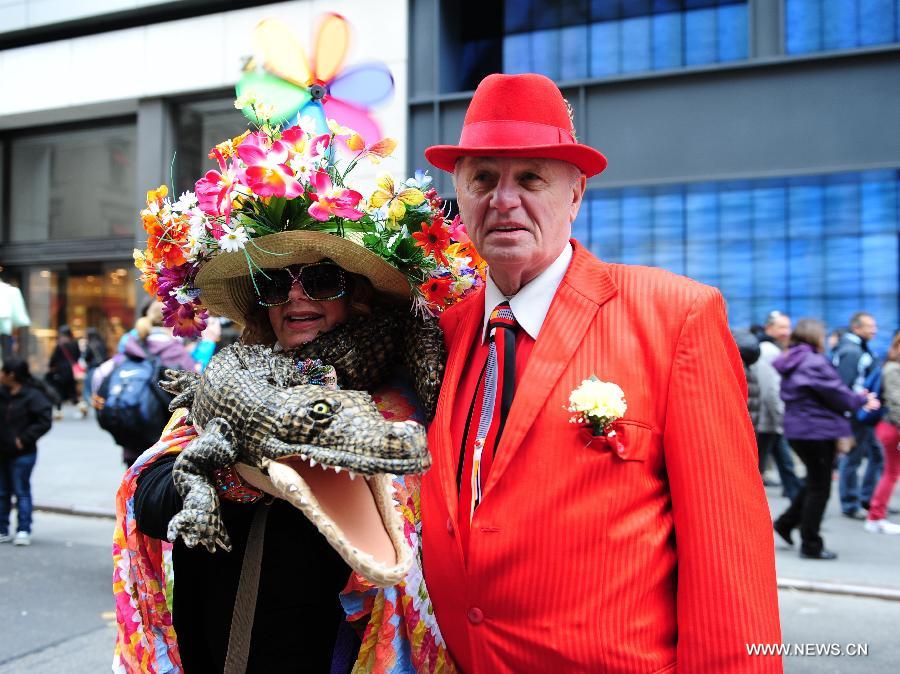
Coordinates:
(320, 281)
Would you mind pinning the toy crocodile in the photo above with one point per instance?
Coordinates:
(259, 406)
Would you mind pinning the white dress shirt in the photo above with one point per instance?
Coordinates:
(531, 304)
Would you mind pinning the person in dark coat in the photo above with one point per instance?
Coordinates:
(815, 400)
(748, 347)
(25, 415)
(60, 370)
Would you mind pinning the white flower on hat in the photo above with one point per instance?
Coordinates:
(233, 240)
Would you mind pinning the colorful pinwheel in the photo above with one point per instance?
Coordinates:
(296, 88)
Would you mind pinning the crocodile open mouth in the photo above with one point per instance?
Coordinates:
(359, 518)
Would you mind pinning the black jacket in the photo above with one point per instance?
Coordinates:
(297, 610)
(27, 415)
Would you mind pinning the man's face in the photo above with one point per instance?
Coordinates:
(867, 328)
(780, 330)
(518, 211)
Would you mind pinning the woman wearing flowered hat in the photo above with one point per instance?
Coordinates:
(277, 243)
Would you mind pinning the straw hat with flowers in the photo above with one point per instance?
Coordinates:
(283, 196)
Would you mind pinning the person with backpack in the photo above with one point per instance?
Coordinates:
(887, 429)
(26, 414)
(130, 404)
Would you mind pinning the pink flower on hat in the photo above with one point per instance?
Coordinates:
(268, 174)
(328, 200)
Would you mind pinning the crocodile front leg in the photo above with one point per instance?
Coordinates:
(199, 520)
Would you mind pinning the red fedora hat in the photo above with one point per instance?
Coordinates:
(518, 116)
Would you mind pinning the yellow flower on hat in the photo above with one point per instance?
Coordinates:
(396, 201)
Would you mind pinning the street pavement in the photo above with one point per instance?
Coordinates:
(58, 616)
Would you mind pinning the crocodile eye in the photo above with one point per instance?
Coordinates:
(320, 410)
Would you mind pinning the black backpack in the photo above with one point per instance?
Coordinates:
(135, 408)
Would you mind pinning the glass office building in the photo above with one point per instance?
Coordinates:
(753, 145)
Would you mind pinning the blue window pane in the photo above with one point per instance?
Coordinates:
(770, 277)
(702, 212)
(700, 36)
(581, 228)
(667, 48)
(876, 21)
(803, 26)
(806, 307)
(517, 54)
(545, 52)
(769, 210)
(805, 213)
(701, 224)
(605, 48)
(637, 230)
(605, 10)
(878, 202)
(841, 196)
(732, 25)
(740, 312)
(838, 310)
(636, 44)
(668, 209)
(879, 268)
(574, 53)
(806, 274)
(842, 260)
(517, 15)
(839, 24)
(736, 269)
(606, 227)
(735, 212)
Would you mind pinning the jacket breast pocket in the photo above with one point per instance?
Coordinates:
(630, 440)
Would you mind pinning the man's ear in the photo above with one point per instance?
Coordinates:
(578, 189)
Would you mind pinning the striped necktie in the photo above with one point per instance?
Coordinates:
(493, 398)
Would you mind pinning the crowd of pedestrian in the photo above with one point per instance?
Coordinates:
(832, 403)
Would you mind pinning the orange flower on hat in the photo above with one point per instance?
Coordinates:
(434, 238)
(437, 290)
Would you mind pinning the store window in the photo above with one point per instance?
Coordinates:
(99, 296)
(832, 25)
(581, 39)
(73, 185)
(818, 246)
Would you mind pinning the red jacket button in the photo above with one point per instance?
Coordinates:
(450, 526)
(475, 615)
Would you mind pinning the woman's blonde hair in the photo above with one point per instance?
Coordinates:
(258, 328)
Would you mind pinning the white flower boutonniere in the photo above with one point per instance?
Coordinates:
(597, 404)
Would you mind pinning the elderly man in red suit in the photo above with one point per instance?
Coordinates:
(643, 544)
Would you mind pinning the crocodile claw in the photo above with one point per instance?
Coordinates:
(196, 526)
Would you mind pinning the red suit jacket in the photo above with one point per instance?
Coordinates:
(655, 558)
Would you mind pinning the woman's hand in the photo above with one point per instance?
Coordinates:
(19, 444)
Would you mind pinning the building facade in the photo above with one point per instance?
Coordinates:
(753, 144)
(103, 100)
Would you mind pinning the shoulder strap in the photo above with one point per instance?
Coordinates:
(245, 601)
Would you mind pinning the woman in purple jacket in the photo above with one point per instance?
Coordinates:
(815, 404)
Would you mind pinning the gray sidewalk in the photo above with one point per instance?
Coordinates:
(79, 469)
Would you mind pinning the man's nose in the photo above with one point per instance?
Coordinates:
(505, 196)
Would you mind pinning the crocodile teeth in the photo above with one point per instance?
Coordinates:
(312, 463)
(293, 487)
(303, 457)
(337, 469)
(352, 474)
